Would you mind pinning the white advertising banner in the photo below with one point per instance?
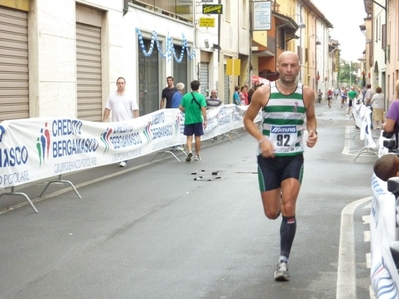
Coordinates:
(358, 112)
(361, 114)
(384, 275)
(37, 148)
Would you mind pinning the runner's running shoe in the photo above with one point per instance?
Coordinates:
(281, 273)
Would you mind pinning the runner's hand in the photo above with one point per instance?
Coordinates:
(312, 139)
(267, 149)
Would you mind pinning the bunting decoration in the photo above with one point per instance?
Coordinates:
(169, 47)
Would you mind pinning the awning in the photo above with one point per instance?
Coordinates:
(284, 21)
(368, 5)
(288, 23)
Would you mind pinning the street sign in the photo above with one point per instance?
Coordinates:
(262, 16)
(216, 9)
(233, 67)
(207, 22)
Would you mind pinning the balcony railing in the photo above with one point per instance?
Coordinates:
(178, 9)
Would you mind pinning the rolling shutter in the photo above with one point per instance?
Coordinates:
(204, 78)
(14, 76)
(226, 91)
(89, 78)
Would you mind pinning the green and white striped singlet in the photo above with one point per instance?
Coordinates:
(284, 121)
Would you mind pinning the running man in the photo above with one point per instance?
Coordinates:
(285, 104)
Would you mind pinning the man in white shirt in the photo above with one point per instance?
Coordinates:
(122, 105)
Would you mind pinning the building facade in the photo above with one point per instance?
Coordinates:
(300, 27)
(382, 46)
(63, 57)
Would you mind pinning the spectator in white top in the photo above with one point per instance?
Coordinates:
(122, 105)
(378, 104)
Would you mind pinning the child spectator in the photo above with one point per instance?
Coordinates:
(387, 166)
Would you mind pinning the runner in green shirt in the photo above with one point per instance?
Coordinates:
(352, 94)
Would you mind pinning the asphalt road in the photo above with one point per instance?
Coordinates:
(151, 231)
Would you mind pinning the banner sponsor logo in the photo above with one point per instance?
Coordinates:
(177, 122)
(74, 165)
(162, 131)
(181, 123)
(43, 144)
(121, 136)
(238, 114)
(65, 139)
(223, 117)
(13, 156)
(2, 131)
(66, 127)
(105, 138)
(147, 130)
(159, 129)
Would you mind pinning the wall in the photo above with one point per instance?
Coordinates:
(235, 38)
(164, 26)
(378, 67)
(52, 50)
(392, 40)
(52, 73)
(52, 54)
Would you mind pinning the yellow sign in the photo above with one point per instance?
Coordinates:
(207, 22)
(233, 67)
(212, 9)
(183, 9)
(17, 4)
(336, 60)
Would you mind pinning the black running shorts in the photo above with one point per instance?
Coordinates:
(272, 171)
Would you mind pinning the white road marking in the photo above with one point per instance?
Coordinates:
(368, 260)
(346, 276)
(347, 144)
(366, 219)
(366, 236)
(372, 296)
